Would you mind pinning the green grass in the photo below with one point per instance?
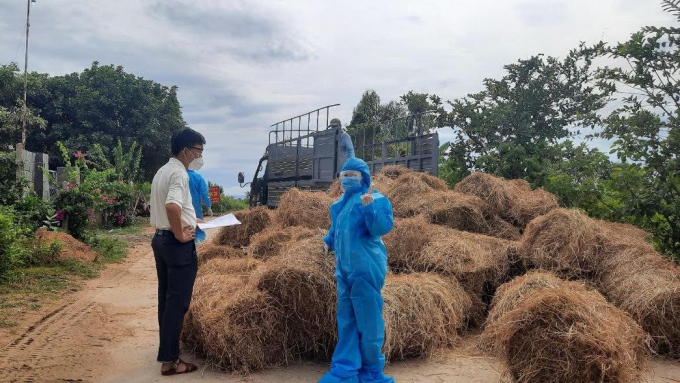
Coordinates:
(23, 289)
(110, 249)
(135, 229)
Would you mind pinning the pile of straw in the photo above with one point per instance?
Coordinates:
(423, 312)
(304, 208)
(302, 282)
(514, 200)
(394, 171)
(411, 187)
(547, 330)
(624, 267)
(646, 286)
(268, 243)
(235, 326)
(447, 208)
(565, 241)
(252, 221)
(209, 250)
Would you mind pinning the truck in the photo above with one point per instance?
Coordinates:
(303, 152)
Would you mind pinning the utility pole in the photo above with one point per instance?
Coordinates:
(28, 24)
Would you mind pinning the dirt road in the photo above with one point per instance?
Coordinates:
(107, 332)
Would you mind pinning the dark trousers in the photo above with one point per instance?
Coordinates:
(176, 266)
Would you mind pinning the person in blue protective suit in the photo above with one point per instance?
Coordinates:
(358, 220)
(199, 193)
(345, 146)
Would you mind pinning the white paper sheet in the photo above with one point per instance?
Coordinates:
(225, 220)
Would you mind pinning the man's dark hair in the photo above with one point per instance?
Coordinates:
(185, 138)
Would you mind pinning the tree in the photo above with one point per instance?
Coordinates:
(646, 128)
(101, 105)
(125, 162)
(514, 127)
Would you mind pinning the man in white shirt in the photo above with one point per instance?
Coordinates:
(173, 216)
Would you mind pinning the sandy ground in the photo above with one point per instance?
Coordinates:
(107, 332)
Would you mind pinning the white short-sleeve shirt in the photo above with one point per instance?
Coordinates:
(171, 185)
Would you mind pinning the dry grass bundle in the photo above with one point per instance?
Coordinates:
(492, 190)
(302, 282)
(451, 209)
(499, 228)
(382, 183)
(411, 188)
(549, 330)
(268, 243)
(625, 230)
(646, 286)
(422, 312)
(303, 208)
(530, 204)
(473, 265)
(565, 241)
(394, 171)
(242, 268)
(512, 200)
(236, 327)
(407, 239)
(335, 190)
(253, 221)
(209, 250)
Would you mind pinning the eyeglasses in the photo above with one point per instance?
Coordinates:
(200, 150)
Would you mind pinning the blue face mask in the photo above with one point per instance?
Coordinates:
(350, 184)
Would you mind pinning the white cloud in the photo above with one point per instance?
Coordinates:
(242, 65)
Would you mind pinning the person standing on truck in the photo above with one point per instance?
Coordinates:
(174, 218)
(345, 146)
(358, 221)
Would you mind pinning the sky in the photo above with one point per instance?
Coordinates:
(243, 65)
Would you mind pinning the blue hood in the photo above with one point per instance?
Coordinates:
(359, 165)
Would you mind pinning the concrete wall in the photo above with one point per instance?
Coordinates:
(31, 168)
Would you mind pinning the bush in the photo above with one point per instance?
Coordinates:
(38, 253)
(32, 211)
(12, 250)
(11, 187)
(228, 204)
(117, 201)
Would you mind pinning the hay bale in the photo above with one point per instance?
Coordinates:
(423, 312)
(473, 265)
(382, 183)
(235, 326)
(530, 204)
(252, 221)
(565, 241)
(451, 209)
(268, 243)
(209, 250)
(301, 281)
(625, 230)
(410, 188)
(407, 239)
(547, 330)
(499, 228)
(394, 171)
(492, 190)
(238, 267)
(647, 286)
(304, 208)
(512, 200)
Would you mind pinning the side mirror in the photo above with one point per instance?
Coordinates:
(241, 178)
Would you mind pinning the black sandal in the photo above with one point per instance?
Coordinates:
(188, 367)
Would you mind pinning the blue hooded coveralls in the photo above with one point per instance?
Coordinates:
(361, 266)
(199, 192)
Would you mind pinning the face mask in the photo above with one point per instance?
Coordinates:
(196, 164)
(350, 184)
